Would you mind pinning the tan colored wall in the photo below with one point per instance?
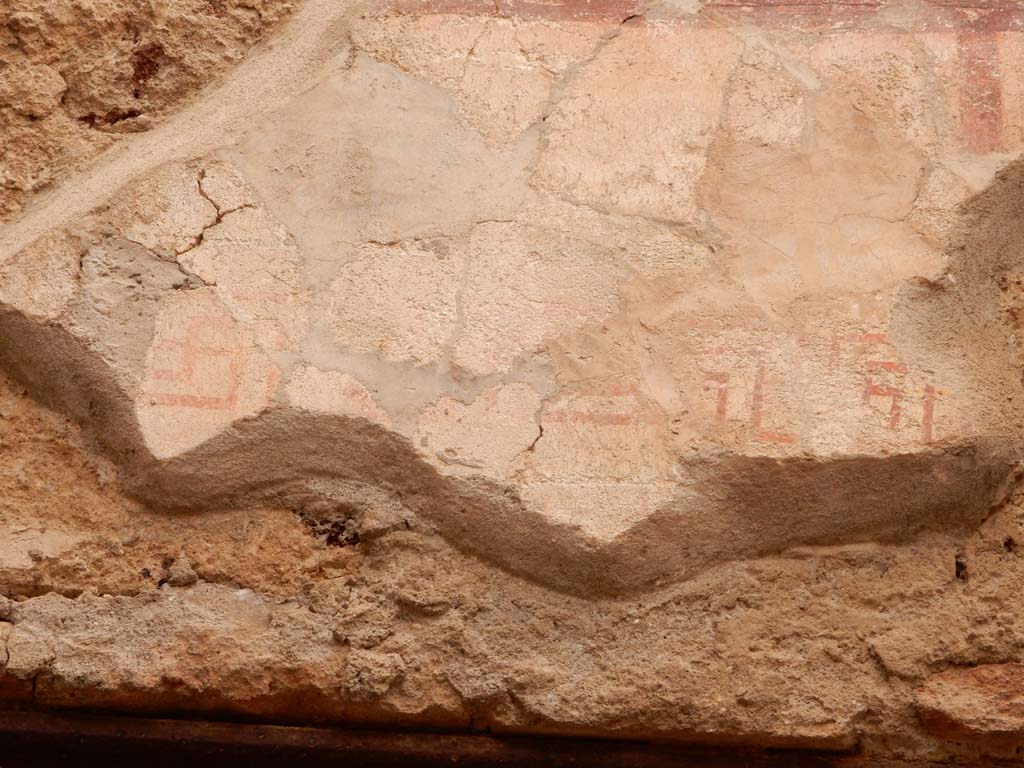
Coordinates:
(577, 367)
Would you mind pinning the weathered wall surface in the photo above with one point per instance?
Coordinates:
(586, 367)
(77, 75)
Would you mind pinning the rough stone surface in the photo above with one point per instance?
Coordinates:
(78, 75)
(975, 703)
(576, 367)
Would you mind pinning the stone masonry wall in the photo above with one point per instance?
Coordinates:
(635, 370)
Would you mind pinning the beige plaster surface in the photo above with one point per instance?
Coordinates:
(608, 298)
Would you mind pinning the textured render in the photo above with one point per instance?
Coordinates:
(77, 75)
(588, 367)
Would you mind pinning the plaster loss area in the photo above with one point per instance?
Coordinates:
(641, 371)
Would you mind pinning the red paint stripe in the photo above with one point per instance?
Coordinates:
(722, 402)
(779, 4)
(879, 390)
(884, 390)
(867, 338)
(895, 412)
(887, 365)
(203, 402)
(928, 419)
(757, 401)
(980, 16)
(757, 413)
(571, 10)
(981, 96)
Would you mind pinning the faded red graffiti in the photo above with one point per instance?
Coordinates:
(976, 24)
(596, 417)
(897, 395)
(980, 16)
(190, 352)
(867, 339)
(757, 413)
(721, 383)
(885, 390)
(928, 419)
(606, 11)
(886, 365)
(981, 96)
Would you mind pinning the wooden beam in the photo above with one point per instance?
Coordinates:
(31, 738)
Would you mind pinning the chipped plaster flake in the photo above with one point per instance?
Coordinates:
(484, 437)
(525, 285)
(21, 547)
(660, 132)
(500, 73)
(173, 213)
(257, 273)
(224, 187)
(397, 300)
(601, 510)
(42, 280)
(333, 392)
